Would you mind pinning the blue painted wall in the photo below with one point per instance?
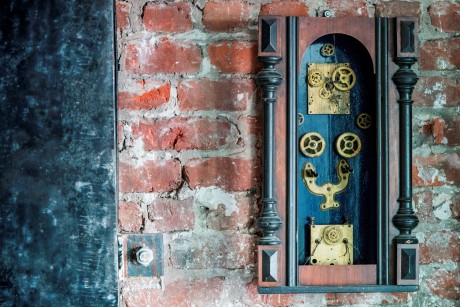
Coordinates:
(57, 154)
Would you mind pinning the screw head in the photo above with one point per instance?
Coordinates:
(327, 13)
(144, 256)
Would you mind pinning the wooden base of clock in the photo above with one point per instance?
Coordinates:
(337, 275)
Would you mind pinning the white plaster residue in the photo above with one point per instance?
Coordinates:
(441, 206)
(440, 101)
(430, 174)
(79, 185)
(442, 64)
(212, 197)
(240, 96)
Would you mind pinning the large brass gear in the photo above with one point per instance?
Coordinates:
(315, 78)
(348, 145)
(332, 235)
(343, 78)
(312, 144)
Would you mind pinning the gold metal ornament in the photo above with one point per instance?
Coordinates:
(312, 144)
(300, 119)
(327, 190)
(364, 121)
(324, 97)
(331, 244)
(348, 145)
(315, 78)
(327, 50)
(343, 78)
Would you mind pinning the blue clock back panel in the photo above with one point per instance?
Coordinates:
(358, 200)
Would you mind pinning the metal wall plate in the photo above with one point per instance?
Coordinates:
(132, 244)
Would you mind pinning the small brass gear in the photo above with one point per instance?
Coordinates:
(315, 78)
(327, 50)
(348, 145)
(364, 121)
(332, 235)
(344, 78)
(324, 92)
(312, 144)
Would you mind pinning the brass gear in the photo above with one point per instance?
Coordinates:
(348, 145)
(327, 50)
(315, 78)
(343, 78)
(332, 235)
(364, 121)
(312, 144)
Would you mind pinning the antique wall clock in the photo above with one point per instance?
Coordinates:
(336, 210)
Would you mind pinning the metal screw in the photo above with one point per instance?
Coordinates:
(327, 13)
(144, 256)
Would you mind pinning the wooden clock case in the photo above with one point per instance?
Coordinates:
(377, 200)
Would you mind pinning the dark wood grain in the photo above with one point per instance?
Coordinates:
(337, 275)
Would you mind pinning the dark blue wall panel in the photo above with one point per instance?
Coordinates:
(57, 154)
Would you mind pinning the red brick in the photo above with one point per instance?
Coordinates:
(451, 132)
(348, 8)
(398, 8)
(280, 8)
(228, 173)
(225, 16)
(437, 92)
(152, 176)
(167, 17)
(440, 54)
(171, 214)
(224, 94)
(178, 293)
(146, 99)
(230, 251)
(163, 57)
(445, 284)
(424, 207)
(440, 246)
(251, 124)
(339, 299)
(121, 137)
(234, 56)
(129, 217)
(122, 11)
(240, 218)
(436, 170)
(184, 134)
(445, 16)
(435, 128)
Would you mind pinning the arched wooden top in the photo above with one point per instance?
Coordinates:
(362, 29)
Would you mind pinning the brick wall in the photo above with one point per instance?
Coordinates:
(190, 147)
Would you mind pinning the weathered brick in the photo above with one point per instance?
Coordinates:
(178, 293)
(162, 57)
(445, 284)
(348, 8)
(152, 176)
(339, 299)
(440, 54)
(129, 216)
(171, 215)
(239, 217)
(281, 8)
(145, 99)
(122, 11)
(225, 16)
(206, 94)
(436, 170)
(437, 92)
(230, 251)
(435, 128)
(234, 56)
(167, 17)
(445, 16)
(121, 137)
(423, 202)
(440, 246)
(229, 173)
(398, 8)
(184, 134)
(455, 207)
